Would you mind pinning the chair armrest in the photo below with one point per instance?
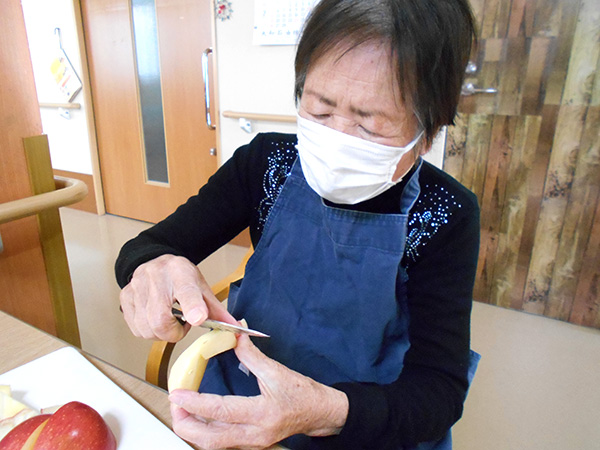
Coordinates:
(68, 191)
(157, 364)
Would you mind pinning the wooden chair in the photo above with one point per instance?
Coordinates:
(157, 364)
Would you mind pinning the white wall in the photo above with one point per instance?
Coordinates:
(251, 78)
(69, 139)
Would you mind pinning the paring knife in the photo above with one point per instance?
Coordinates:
(217, 325)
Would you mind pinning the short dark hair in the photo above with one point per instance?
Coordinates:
(430, 41)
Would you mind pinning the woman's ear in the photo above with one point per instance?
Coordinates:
(422, 148)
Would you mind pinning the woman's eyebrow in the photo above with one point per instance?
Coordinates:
(366, 114)
(321, 97)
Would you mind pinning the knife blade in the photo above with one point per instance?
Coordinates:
(218, 325)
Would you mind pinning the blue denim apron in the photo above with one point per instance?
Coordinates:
(327, 285)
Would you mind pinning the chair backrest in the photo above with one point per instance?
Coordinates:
(157, 364)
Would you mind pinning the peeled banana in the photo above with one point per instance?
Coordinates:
(188, 369)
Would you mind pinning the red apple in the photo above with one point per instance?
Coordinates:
(76, 426)
(24, 435)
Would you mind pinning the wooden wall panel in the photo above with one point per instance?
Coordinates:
(492, 200)
(476, 154)
(517, 19)
(533, 88)
(595, 101)
(558, 65)
(511, 75)
(455, 148)
(512, 222)
(532, 156)
(576, 233)
(541, 156)
(584, 56)
(586, 308)
(559, 178)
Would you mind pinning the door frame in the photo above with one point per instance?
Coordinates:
(91, 120)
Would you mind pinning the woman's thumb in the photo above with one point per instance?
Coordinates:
(192, 304)
(252, 358)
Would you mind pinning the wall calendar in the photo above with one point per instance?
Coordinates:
(279, 22)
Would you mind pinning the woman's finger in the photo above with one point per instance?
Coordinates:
(228, 409)
(217, 311)
(187, 288)
(213, 434)
(164, 325)
(257, 362)
(128, 309)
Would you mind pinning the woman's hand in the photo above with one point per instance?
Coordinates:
(147, 300)
(289, 404)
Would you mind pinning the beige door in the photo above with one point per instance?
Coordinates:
(146, 66)
(531, 154)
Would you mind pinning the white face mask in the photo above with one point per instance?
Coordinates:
(345, 169)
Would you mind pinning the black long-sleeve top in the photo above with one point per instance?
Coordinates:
(440, 259)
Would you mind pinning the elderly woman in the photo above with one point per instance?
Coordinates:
(365, 255)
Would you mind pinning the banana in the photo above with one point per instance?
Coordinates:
(188, 369)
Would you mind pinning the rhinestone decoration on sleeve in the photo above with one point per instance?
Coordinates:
(280, 163)
(431, 212)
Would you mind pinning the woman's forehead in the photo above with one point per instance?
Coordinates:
(347, 47)
(364, 70)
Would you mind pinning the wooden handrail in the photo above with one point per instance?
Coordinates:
(60, 105)
(68, 191)
(258, 116)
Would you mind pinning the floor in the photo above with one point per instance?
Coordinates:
(537, 386)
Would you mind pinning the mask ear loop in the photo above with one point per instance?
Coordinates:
(417, 152)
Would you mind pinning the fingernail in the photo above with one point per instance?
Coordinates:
(176, 399)
(194, 315)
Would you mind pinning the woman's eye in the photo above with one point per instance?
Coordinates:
(369, 132)
(321, 116)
